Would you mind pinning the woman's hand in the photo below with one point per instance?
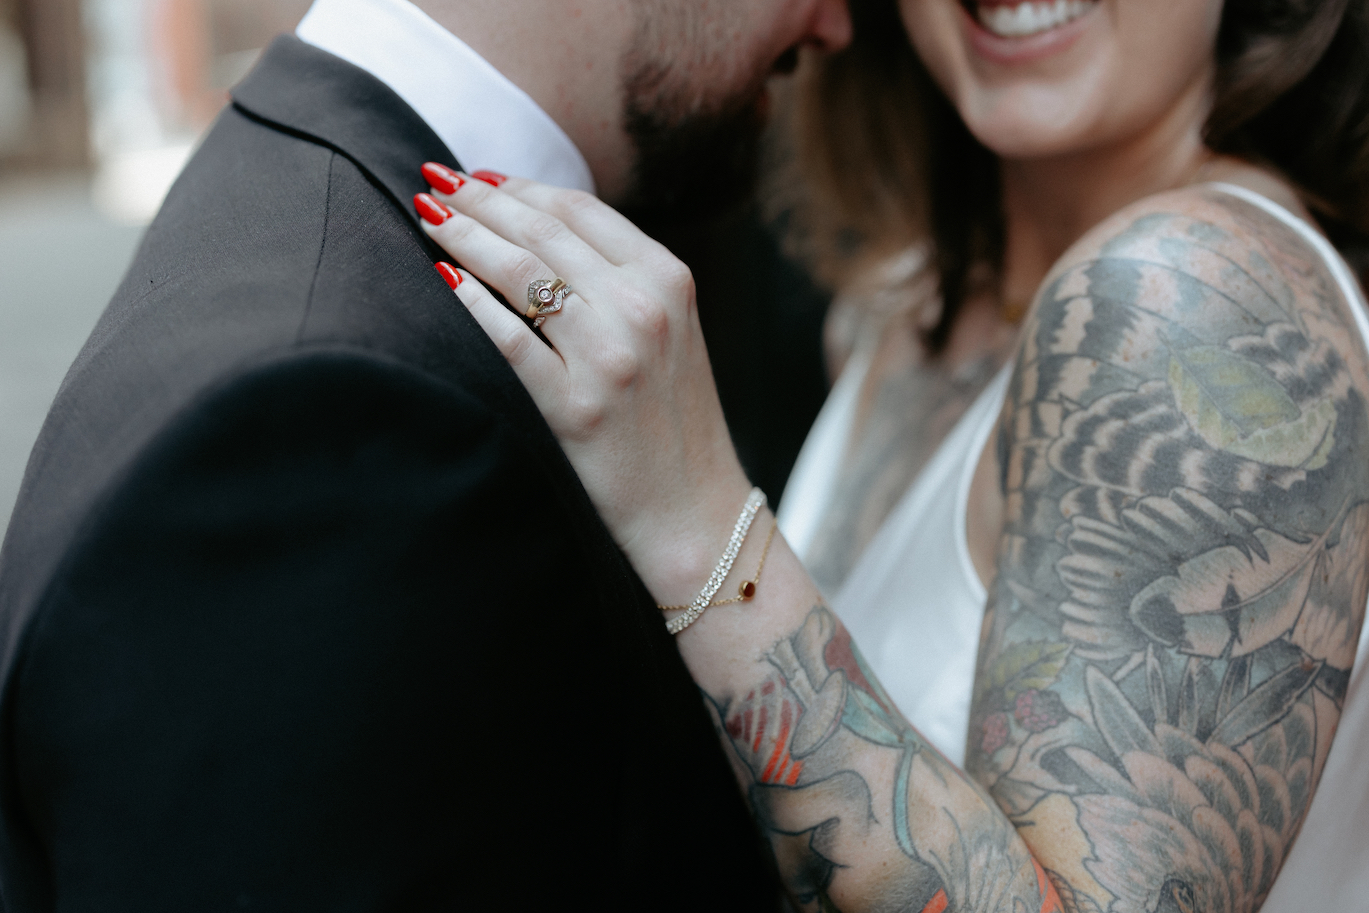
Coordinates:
(626, 386)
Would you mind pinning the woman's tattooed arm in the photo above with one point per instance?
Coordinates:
(861, 812)
(1182, 576)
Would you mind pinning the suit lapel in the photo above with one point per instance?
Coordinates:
(304, 90)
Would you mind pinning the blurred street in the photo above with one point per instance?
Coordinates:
(101, 103)
(60, 260)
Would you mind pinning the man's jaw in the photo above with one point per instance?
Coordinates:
(696, 158)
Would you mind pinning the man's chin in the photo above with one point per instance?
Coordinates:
(698, 167)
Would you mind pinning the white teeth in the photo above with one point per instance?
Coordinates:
(1031, 18)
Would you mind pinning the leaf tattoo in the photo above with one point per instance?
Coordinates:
(1024, 667)
(1237, 405)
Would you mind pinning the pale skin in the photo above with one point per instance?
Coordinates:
(1174, 516)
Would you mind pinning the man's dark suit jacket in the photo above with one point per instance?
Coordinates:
(303, 607)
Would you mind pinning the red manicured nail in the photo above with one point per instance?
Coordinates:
(450, 274)
(442, 178)
(432, 211)
(493, 178)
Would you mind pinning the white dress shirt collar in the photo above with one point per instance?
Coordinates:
(482, 117)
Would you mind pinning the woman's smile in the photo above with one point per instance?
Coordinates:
(1042, 78)
(1026, 19)
(1020, 31)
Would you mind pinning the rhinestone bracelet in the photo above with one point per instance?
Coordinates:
(746, 590)
(754, 502)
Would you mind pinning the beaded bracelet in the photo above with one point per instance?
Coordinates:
(754, 502)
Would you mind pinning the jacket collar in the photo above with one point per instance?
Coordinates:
(301, 89)
(481, 114)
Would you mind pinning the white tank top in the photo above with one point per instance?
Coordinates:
(914, 603)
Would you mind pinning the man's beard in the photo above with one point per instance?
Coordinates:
(693, 160)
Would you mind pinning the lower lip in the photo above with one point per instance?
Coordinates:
(1029, 49)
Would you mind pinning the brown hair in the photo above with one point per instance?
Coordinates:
(886, 161)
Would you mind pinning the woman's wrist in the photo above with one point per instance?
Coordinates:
(675, 553)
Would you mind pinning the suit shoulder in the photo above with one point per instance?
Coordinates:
(310, 409)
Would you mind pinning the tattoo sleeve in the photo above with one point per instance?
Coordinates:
(860, 811)
(1181, 580)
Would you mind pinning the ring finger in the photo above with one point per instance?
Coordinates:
(500, 264)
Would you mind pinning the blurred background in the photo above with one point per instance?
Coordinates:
(101, 103)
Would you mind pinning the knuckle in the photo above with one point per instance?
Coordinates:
(543, 229)
(647, 317)
(518, 347)
(573, 203)
(678, 279)
(526, 267)
(585, 413)
(621, 366)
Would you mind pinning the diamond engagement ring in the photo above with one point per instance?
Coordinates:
(546, 297)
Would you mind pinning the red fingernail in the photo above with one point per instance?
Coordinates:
(442, 178)
(493, 178)
(450, 274)
(432, 211)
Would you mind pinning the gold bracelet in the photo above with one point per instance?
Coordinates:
(754, 502)
(746, 590)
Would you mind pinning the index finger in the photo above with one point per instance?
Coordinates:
(554, 242)
(599, 225)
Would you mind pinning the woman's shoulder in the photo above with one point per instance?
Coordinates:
(1209, 264)
(1231, 220)
(1211, 198)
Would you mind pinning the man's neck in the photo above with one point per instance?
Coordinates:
(564, 55)
(482, 117)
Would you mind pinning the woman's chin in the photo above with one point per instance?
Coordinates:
(1036, 94)
(1026, 143)
(1024, 122)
